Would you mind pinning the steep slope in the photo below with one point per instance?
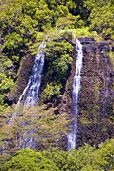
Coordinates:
(95, 104)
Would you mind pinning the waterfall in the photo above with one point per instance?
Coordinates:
(30, 96)
(75, 93)
(32, 89)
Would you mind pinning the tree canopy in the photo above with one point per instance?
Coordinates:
(86, 158)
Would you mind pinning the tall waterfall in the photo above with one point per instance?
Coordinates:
(75, 93)
(30, 96)
(31, 91)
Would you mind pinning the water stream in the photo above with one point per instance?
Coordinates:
(30, 96)
(72, 137)
(30, 93)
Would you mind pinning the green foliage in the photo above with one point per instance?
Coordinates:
(49, 127)
(24, 24)
(101, 17)
(27, 160)
(111, 57)
(62, 63)
(70, 4)
(85, 158)
(13, 40)
(6, 84)
(58, 62)
(70, 22)
(59, 58)
(51, 91)
(83, 32)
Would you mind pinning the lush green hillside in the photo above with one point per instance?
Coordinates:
(24, 25)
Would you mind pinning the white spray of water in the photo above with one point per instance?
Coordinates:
(76, 88)
(30, 96)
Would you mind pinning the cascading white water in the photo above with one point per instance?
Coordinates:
(32, 89)
(75, 93)
(30, 93)
(30, 96)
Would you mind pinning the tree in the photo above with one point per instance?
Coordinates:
(101, 16)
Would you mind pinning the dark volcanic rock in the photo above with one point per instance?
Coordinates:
(95, 117)
(96, 96)
(87, 40)
(22, 77)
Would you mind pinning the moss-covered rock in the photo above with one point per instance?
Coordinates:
(96, 99)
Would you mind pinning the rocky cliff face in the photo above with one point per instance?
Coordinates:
(95, 118)
(95, 122)
(23, 74)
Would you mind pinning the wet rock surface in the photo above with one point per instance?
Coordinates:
(23, 74)
(95, 118)
(95, 104)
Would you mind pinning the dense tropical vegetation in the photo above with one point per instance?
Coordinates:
(86, 158)
(24, 25)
